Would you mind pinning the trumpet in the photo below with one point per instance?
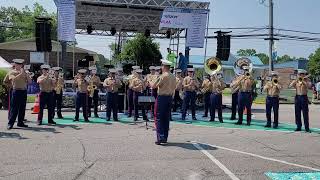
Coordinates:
(302, 79)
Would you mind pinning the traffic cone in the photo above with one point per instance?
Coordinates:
(36, 107)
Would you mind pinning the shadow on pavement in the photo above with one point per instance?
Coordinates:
(11, 135)
(40, 129)
(189, 146)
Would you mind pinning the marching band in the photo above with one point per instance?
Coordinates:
(169, 90)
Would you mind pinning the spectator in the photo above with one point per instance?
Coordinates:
(183, 63)
(171, 57)
(318, 89)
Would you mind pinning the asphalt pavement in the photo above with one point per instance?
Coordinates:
(118, 150)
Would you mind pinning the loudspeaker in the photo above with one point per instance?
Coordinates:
(168, 34)
(89, 58)
(83, 63)
(89, 29)
(147, 33)
(43, 36)
(223, 47)
(113, 31)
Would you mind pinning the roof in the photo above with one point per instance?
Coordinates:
(127, 15)
(294, 64)
(30, 45)
(4, 63)
(198, 61)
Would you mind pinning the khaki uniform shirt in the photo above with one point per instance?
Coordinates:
(245, 85)
(46, 83)
(217, 86)
(95, 80)
(130, 77)
(112, 84)
(59, 81)
(190, 84)
(272, 89)
(206, 86)
(82, 85)
(179, 81)
(6, 81)
(19, 81)
(166, 84)
(138, 84)
(151, 78)
(301, 88)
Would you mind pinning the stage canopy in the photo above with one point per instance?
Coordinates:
(126, 15)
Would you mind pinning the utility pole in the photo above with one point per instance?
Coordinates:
(270, 35)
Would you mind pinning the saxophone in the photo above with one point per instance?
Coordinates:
(58, 87)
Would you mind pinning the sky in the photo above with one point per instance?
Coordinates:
(299, 15)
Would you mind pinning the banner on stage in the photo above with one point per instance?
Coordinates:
(66, 19)
(192, 19)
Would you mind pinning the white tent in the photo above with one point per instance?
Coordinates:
(4, 63)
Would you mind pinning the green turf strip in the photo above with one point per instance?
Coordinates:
(294, 175)
(255, 124)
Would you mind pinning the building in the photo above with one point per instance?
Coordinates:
(23, 48)
(288, 70)
(258, 67)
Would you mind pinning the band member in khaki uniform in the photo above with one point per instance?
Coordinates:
(190, 85)
(57, 92)
(46, 84)
(245, 82)
(206, 91)
(272, 101)
(130, 91)
(166, 84)
(82, 94)
(217, 86)
(301, 84)
(177, 101)
(234, 91)
(20, 80)
(112, 85)
(122, 89)
(8, 85)
(150, 78)
(94, 81)
(138, 86)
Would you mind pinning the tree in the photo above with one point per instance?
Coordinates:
(246, 52)
(314, 64)
(263, 57)
(22, 23)
(141, 50)
(284, 58)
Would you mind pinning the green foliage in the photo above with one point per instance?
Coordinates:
(252, 52)
(263, 57)
(141, 50)
(100, 64)
(246, 52)
(314, 64)
(3, 93)
(22, 22)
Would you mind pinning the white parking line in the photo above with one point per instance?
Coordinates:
(218, 163)
(258, 156)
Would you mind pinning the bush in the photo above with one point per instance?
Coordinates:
(3, 91)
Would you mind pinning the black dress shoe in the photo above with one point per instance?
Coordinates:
(86, 120)
(135, 119)
(298, 129)
(96, 116)
(205, 116)
(22, 125)
(211, 120)
(194, 118)
(145, 118)
(60, 117)
(115, 119)
(221, 121)
(308, 130)
(76, 120)
(232, 118)
(52, 122)
(108, 119)
(157, 143)
(267, 126)
(183, 119)
(9, 127)
(39, 123)
(238, 123)
(248, 124)
(275, 127)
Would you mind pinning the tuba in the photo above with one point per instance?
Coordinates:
(212, 66)
(240, 63)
